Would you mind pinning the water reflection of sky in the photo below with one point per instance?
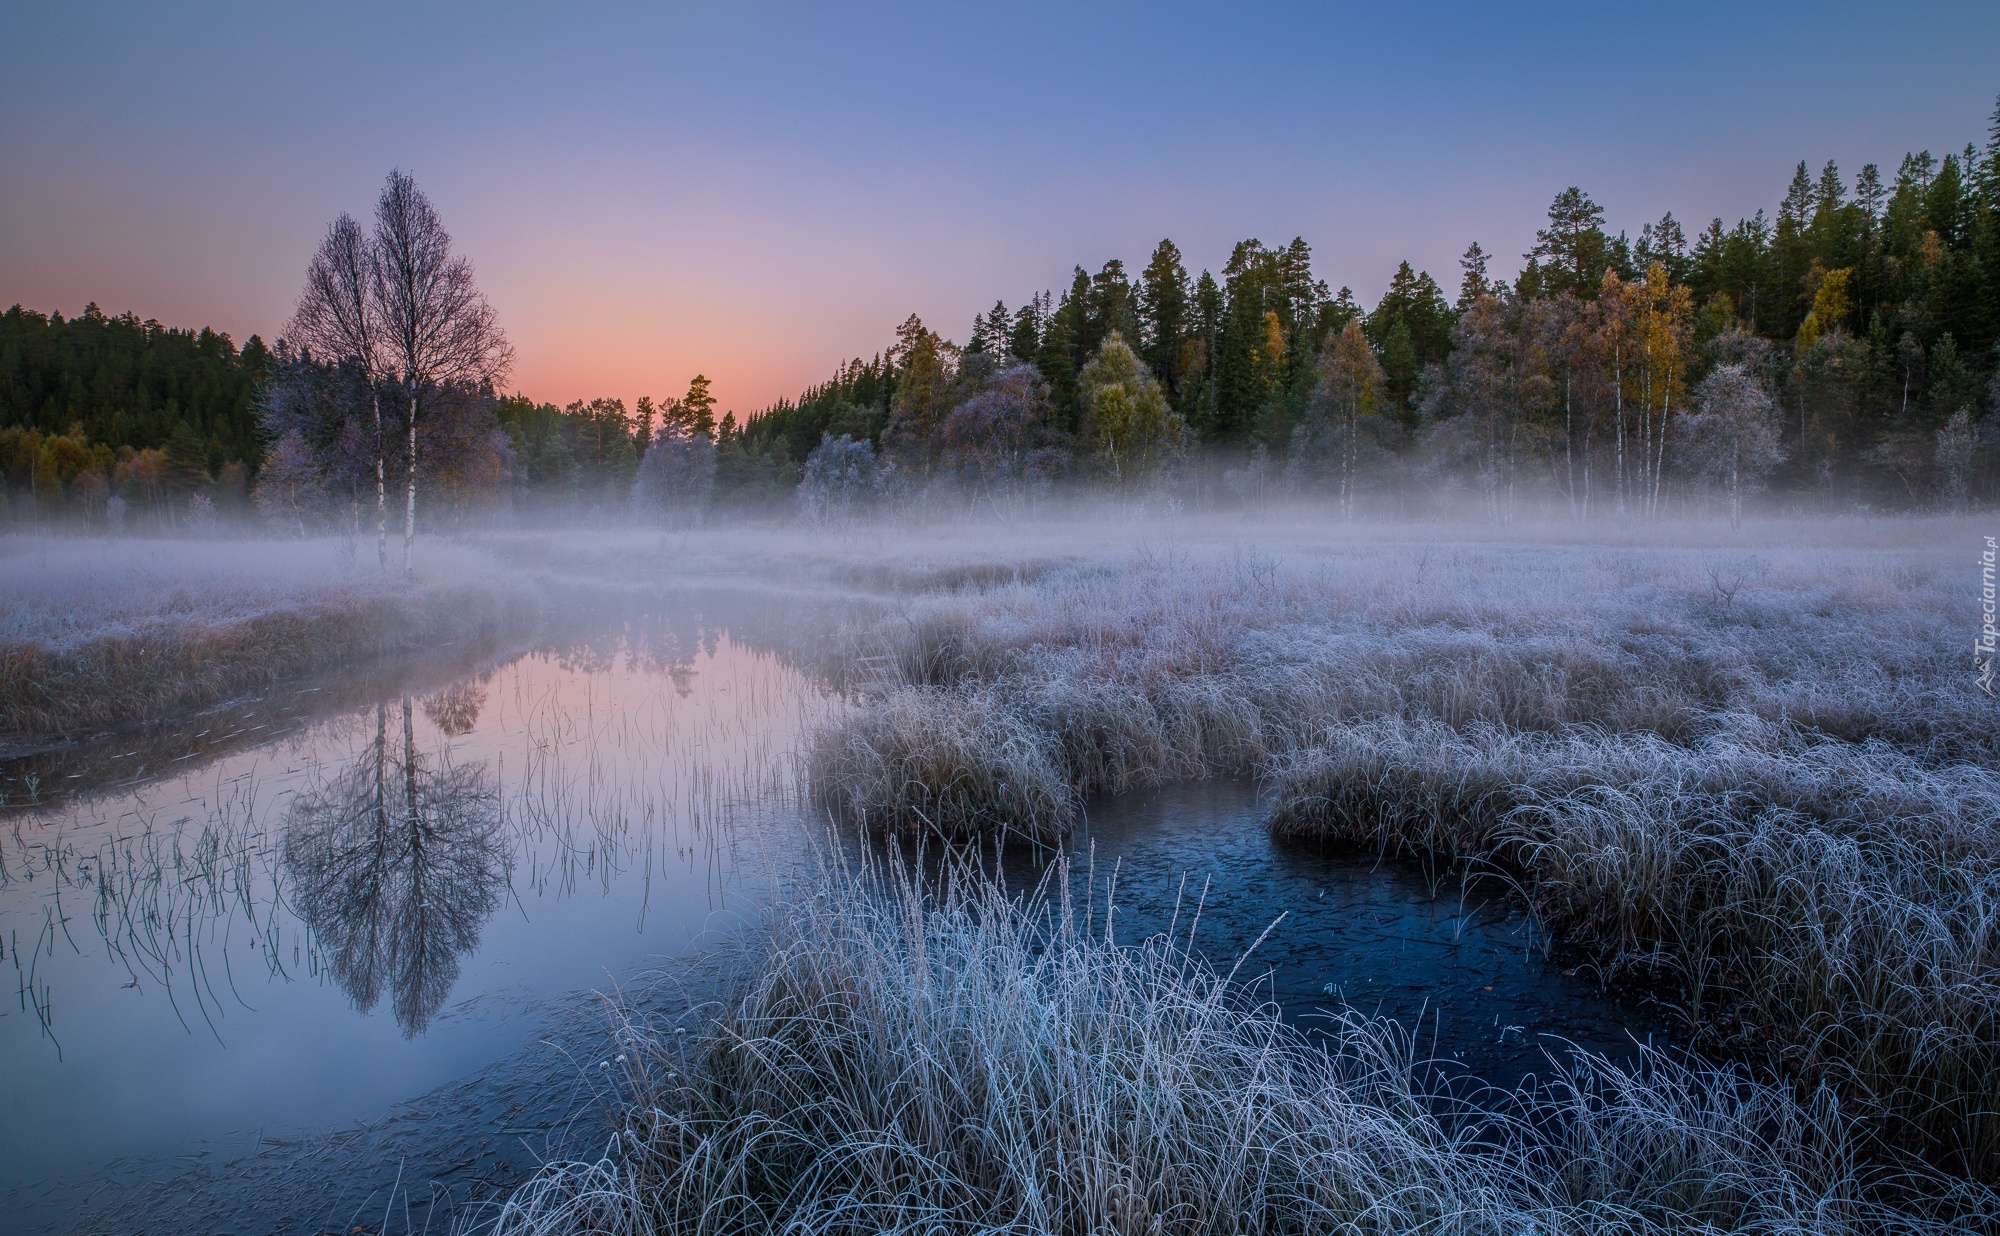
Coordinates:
(303, 932)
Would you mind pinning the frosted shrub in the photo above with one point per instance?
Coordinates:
(839, 478)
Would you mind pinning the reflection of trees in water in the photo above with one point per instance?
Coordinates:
(810, 630)
(455, 710)
(396, 865)
(647, 643)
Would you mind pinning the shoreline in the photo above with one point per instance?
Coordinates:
(113, 638)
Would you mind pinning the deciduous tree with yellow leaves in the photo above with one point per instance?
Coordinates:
(1131, 429)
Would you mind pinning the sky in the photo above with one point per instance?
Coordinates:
(759, 191)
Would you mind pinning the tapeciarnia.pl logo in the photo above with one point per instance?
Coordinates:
(1983, 647)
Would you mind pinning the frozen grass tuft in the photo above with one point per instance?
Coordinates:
(1836, 905)
(934, 1056)
(954, 765)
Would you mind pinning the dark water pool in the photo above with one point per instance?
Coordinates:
(1456, 960)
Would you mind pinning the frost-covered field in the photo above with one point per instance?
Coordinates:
(1749, 771)
(1763, 777)
(97, 633)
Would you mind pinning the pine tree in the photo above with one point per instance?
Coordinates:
(695, 412)
(643, 438)
(1056, 359)
(1664, 242)
(1303, 293)
(1024, 338)
(1199, 379)
(1868, 191)
(1338, 312)
(1987, 242)
(1411, 328)
(1472, 282)
(923, 395)
(979, 341)
(1163, 307)
(1107, 306)
(1572, 250)
(1252, 286)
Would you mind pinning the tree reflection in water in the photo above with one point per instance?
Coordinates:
(455, 710)
(396, 863)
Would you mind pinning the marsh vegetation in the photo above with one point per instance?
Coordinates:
(1733, 789)
(1745, 778)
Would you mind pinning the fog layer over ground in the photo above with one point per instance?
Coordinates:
(98, 634)
(1748, 772)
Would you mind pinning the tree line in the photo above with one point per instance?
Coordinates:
(96, 408)
(1841, 353)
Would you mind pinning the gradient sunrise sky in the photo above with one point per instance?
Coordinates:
(758, 191)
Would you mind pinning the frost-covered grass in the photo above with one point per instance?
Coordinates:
(1747, 769)
(905, 1056)
(960, 765)
(1758, 778)
(1830, 905)
(96, 634)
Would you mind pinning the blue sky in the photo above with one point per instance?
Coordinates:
(757, 191)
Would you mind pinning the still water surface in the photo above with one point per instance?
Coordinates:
(301, 932)
(1455, 960)
(283, 918)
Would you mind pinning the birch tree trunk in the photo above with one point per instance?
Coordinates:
(381, 485)
(410, 495)
(1618, 414)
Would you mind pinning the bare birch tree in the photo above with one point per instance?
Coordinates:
(437, 327)
(337, 319)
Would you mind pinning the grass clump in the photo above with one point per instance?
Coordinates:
(957, 765)
(910, 1055)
